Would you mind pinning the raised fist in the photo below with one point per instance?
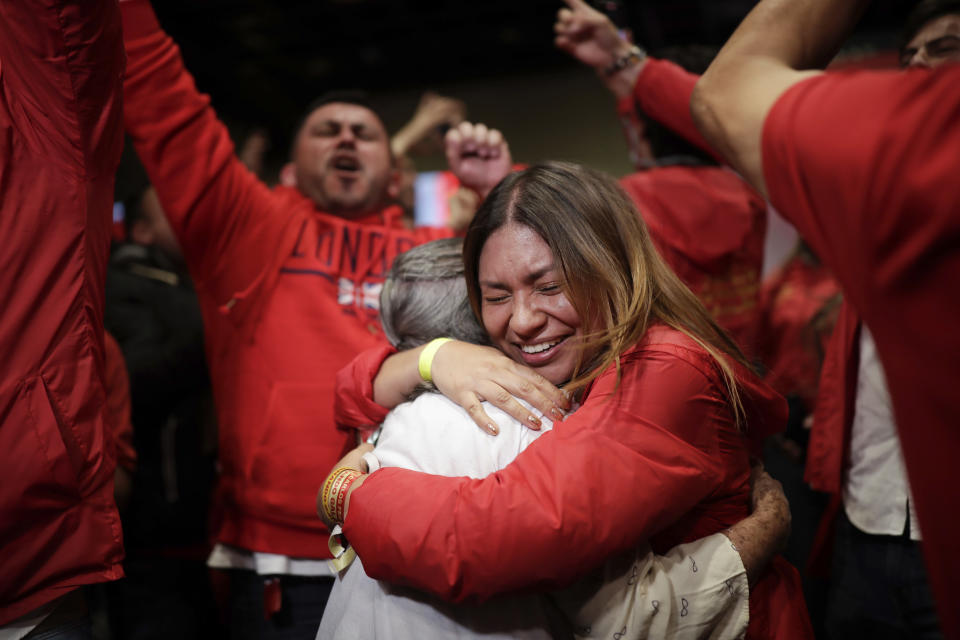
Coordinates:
(478, 156)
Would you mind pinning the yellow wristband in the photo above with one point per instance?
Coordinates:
(426, 357)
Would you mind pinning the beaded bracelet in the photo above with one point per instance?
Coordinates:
(634, 55)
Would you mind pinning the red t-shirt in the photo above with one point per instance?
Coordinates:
(866, 165)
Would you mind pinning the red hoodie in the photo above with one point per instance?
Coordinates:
(289, 295)
(60, 142)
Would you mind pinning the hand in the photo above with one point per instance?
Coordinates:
(478, 156)
(424, 129)
(353, 460)
(435, 111)
(767, 496)
(469, 374)
(765, 532)
(590, 37)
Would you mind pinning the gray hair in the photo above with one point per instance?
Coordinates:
(425, 297)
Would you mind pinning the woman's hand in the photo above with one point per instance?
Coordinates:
(353, 460)
(469, 374)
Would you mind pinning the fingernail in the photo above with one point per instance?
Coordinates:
(492, 428)
(534, 421)
(556, 414)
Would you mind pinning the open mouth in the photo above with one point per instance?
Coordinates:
(539, 348)
(541, 351)
(346, 164)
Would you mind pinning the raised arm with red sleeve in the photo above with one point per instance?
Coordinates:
(219, 210)
(631, 460)
(662, 92)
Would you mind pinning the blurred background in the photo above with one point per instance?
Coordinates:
(263, 61)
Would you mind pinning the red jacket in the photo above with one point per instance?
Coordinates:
(658, 453)
(289, 295)
(60, 142)
(864, 164)
(708, 224)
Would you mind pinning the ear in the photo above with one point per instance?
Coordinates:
(142, 233)
(288, 175)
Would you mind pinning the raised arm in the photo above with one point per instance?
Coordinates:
(661, 89)
(216, 206)
(765, 56)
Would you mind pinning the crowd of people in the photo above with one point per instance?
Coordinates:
(290, 411)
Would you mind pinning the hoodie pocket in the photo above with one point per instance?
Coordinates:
(39, 474)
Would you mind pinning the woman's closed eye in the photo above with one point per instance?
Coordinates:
(550, 288)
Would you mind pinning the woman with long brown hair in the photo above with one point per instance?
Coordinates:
(563, 275)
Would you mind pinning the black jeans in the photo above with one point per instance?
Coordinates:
(878, 587)
(301, 606)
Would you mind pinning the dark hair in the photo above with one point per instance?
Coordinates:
(425, 297)
(664, 143)
(611, 270)
(925, 12)
(346, 96)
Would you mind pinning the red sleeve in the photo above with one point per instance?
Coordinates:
(846, 156)
(865, 166)
(663, 92)
(353, 405)
(224, 217)
(630, 461)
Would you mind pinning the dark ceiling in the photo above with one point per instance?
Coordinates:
(263, 60)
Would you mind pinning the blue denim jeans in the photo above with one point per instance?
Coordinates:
(878, 588)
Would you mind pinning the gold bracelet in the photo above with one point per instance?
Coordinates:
(331, 507)
(341, 497)
(327, 490)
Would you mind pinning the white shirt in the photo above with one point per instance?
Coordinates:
(696, 587)
(224, 556)
(876, 494)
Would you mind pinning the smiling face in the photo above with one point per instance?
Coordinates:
(342, 160)
(523, 304)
